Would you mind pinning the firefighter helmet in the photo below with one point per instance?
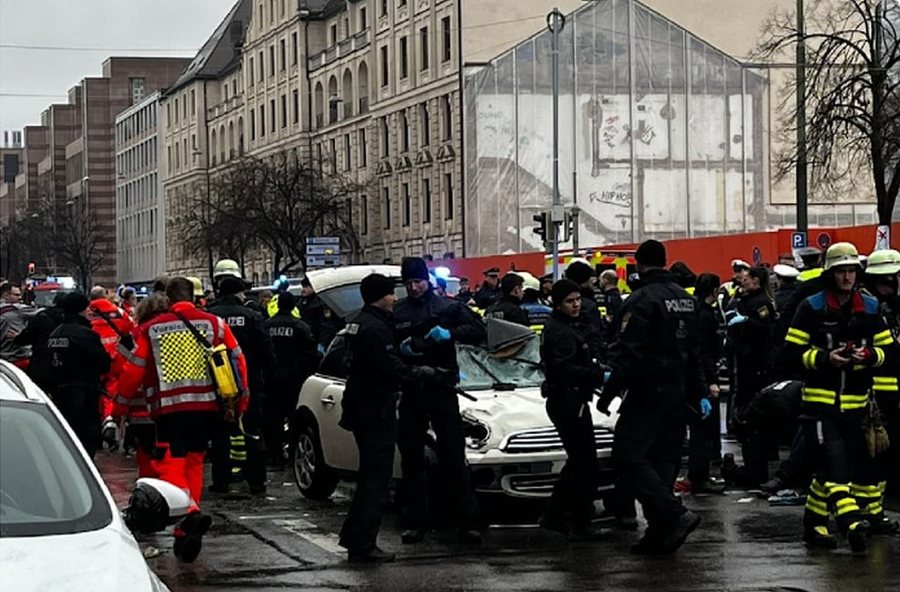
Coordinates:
(530, 282)
(884, 262)
(198, 285)
(227, 267)
(841, 254)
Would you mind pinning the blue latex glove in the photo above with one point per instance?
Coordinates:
(606, 376)
(705, 408)
(407, 350)
(438, 334)
(463, 376)
(737, 320)
(321, 349)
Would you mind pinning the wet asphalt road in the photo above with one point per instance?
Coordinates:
(283, 541)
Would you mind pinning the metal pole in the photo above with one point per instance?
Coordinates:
(555, 22)
(802, 221)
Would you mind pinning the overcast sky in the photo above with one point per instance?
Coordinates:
(114, 27)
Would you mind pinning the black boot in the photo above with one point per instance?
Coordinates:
(411, 536)
(189, 536)
(684, 526)
(881, 524)
(818, 537)
(858, 536)
(374, 555)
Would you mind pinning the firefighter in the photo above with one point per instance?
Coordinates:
(656, 359)
(509, 308)
(489, 292)
(538, 312)
(234, 448)
(296, 358)
(571, 378)
(114, 327)
(881, 279)
(78, 360)
(835, 341)
(369, 410)
(428, 328)
(171, 365)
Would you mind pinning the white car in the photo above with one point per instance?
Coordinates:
(512, 447)
(59, 526)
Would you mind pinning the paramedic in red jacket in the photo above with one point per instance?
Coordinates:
(172, 367)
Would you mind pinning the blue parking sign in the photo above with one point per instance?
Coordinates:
(798, 240)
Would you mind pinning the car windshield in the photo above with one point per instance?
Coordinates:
(45, 485)
(480, 370)
(45, 298)
(346, 300)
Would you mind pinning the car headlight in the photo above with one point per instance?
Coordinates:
(475, 431)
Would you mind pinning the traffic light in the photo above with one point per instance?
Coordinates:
(31, 268)
(543, 225)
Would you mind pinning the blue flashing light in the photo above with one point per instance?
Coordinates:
(442, 272)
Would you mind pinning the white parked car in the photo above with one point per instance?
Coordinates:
(512, 447)
(59, 526)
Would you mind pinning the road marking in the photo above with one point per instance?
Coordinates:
(327, 541)
(266, 516)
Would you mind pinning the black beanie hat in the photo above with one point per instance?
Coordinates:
(579, 272)
(413, 268)
(230, 285)
(374, 287)
(562, 289)
(286, 302)
(73, 303)
(651, 253)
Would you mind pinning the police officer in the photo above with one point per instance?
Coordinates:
(77, 362)
(245, 447)
(509, 308)
(809, 282)
(786, 279)
(296, 358)
(656, 359)
(610, 300)
(571, 377)
(428, 328)
(321, 320)
(590, 319)
(836, 340)
(369, 406)
(36, 334)
(489, 292)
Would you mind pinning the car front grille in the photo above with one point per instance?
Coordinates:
(547, 439)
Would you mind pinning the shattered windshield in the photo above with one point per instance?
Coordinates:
(481, 370)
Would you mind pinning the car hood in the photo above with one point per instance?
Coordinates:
(508, 412)
(105, 559)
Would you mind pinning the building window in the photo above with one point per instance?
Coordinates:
(250, 77)
(404, 132)
(296, 107)
(176, 110)
(333, 34)
(423, 49)
(347, 163)
(168, 114)
(386, 192)
(426, 200)
(384, 66)
(385, 138)
(447, 118)
(404, 61)
(319, 155)
(271, 60)
(364, 214)
(425, 124)
(262, 121)
(361, 158)
(283, 54)
(332, 145)
(282, 8)
(448, 196)
(260, 17)
(294, 48)
(407, 205)
(272, 111)
(137, 90)
(262, 66)
(384, 8)
(447, 36)
(363, 19)
(193, 103)
(284, 116)
(271, 11)
(252, 125)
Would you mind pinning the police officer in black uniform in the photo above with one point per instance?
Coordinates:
(77, 361)
(428, 328)
(36, 334)
(489, 292)
(656, 360)
(590, 319)
(571, 378)
(245, 447)
(369, 405)
(322, 321)
(509, 308)
(296, 358)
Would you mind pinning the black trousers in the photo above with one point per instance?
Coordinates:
(647, 455)
(281, 400)
(234, 451)
(439, 408)
(574, 493)
(795, 470)
(78, 405)
(376, 441)
(705, 444)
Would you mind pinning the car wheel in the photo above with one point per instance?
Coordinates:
(313, 477)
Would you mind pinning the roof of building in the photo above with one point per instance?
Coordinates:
(219, 52)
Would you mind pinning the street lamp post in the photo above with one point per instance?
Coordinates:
(555, 23)
(801, 190)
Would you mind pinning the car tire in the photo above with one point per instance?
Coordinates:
(315, 479)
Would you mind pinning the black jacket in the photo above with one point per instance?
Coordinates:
(753, 341)
(36, 334)
(709, 337)
(77, 357)
(657, 354)
(486, 296)
(568, 361)
(296, 352)
(247, 326)
(508, 309)
(592, 324)
(415, 317)
(611, 300)
(322, 321)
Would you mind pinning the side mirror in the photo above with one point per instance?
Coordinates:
(155, 504)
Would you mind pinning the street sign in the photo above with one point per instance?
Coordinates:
(757, 256)
(322, 250)
(798, 240)
(823, 240)
(323, 240)
(323, 261)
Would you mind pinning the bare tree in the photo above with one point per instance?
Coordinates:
(77, 240)
(853, 101)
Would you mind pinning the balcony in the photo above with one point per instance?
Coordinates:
(343, 49)
(225, 106)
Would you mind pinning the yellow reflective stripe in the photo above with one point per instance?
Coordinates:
(836, 487)
(848, 508)
(817, 395)
(809, 359)
(885, 380)
(797, 336)
(816, 507)
(883, 338)
(873, 509)
(818, 489)
(853, 401)
(879, 357)
(886, 388)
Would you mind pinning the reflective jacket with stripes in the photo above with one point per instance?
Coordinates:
(822, 325)
(172, 366)
(104, 315)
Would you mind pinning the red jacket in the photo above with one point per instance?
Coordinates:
(109, 337)
(171, 365)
